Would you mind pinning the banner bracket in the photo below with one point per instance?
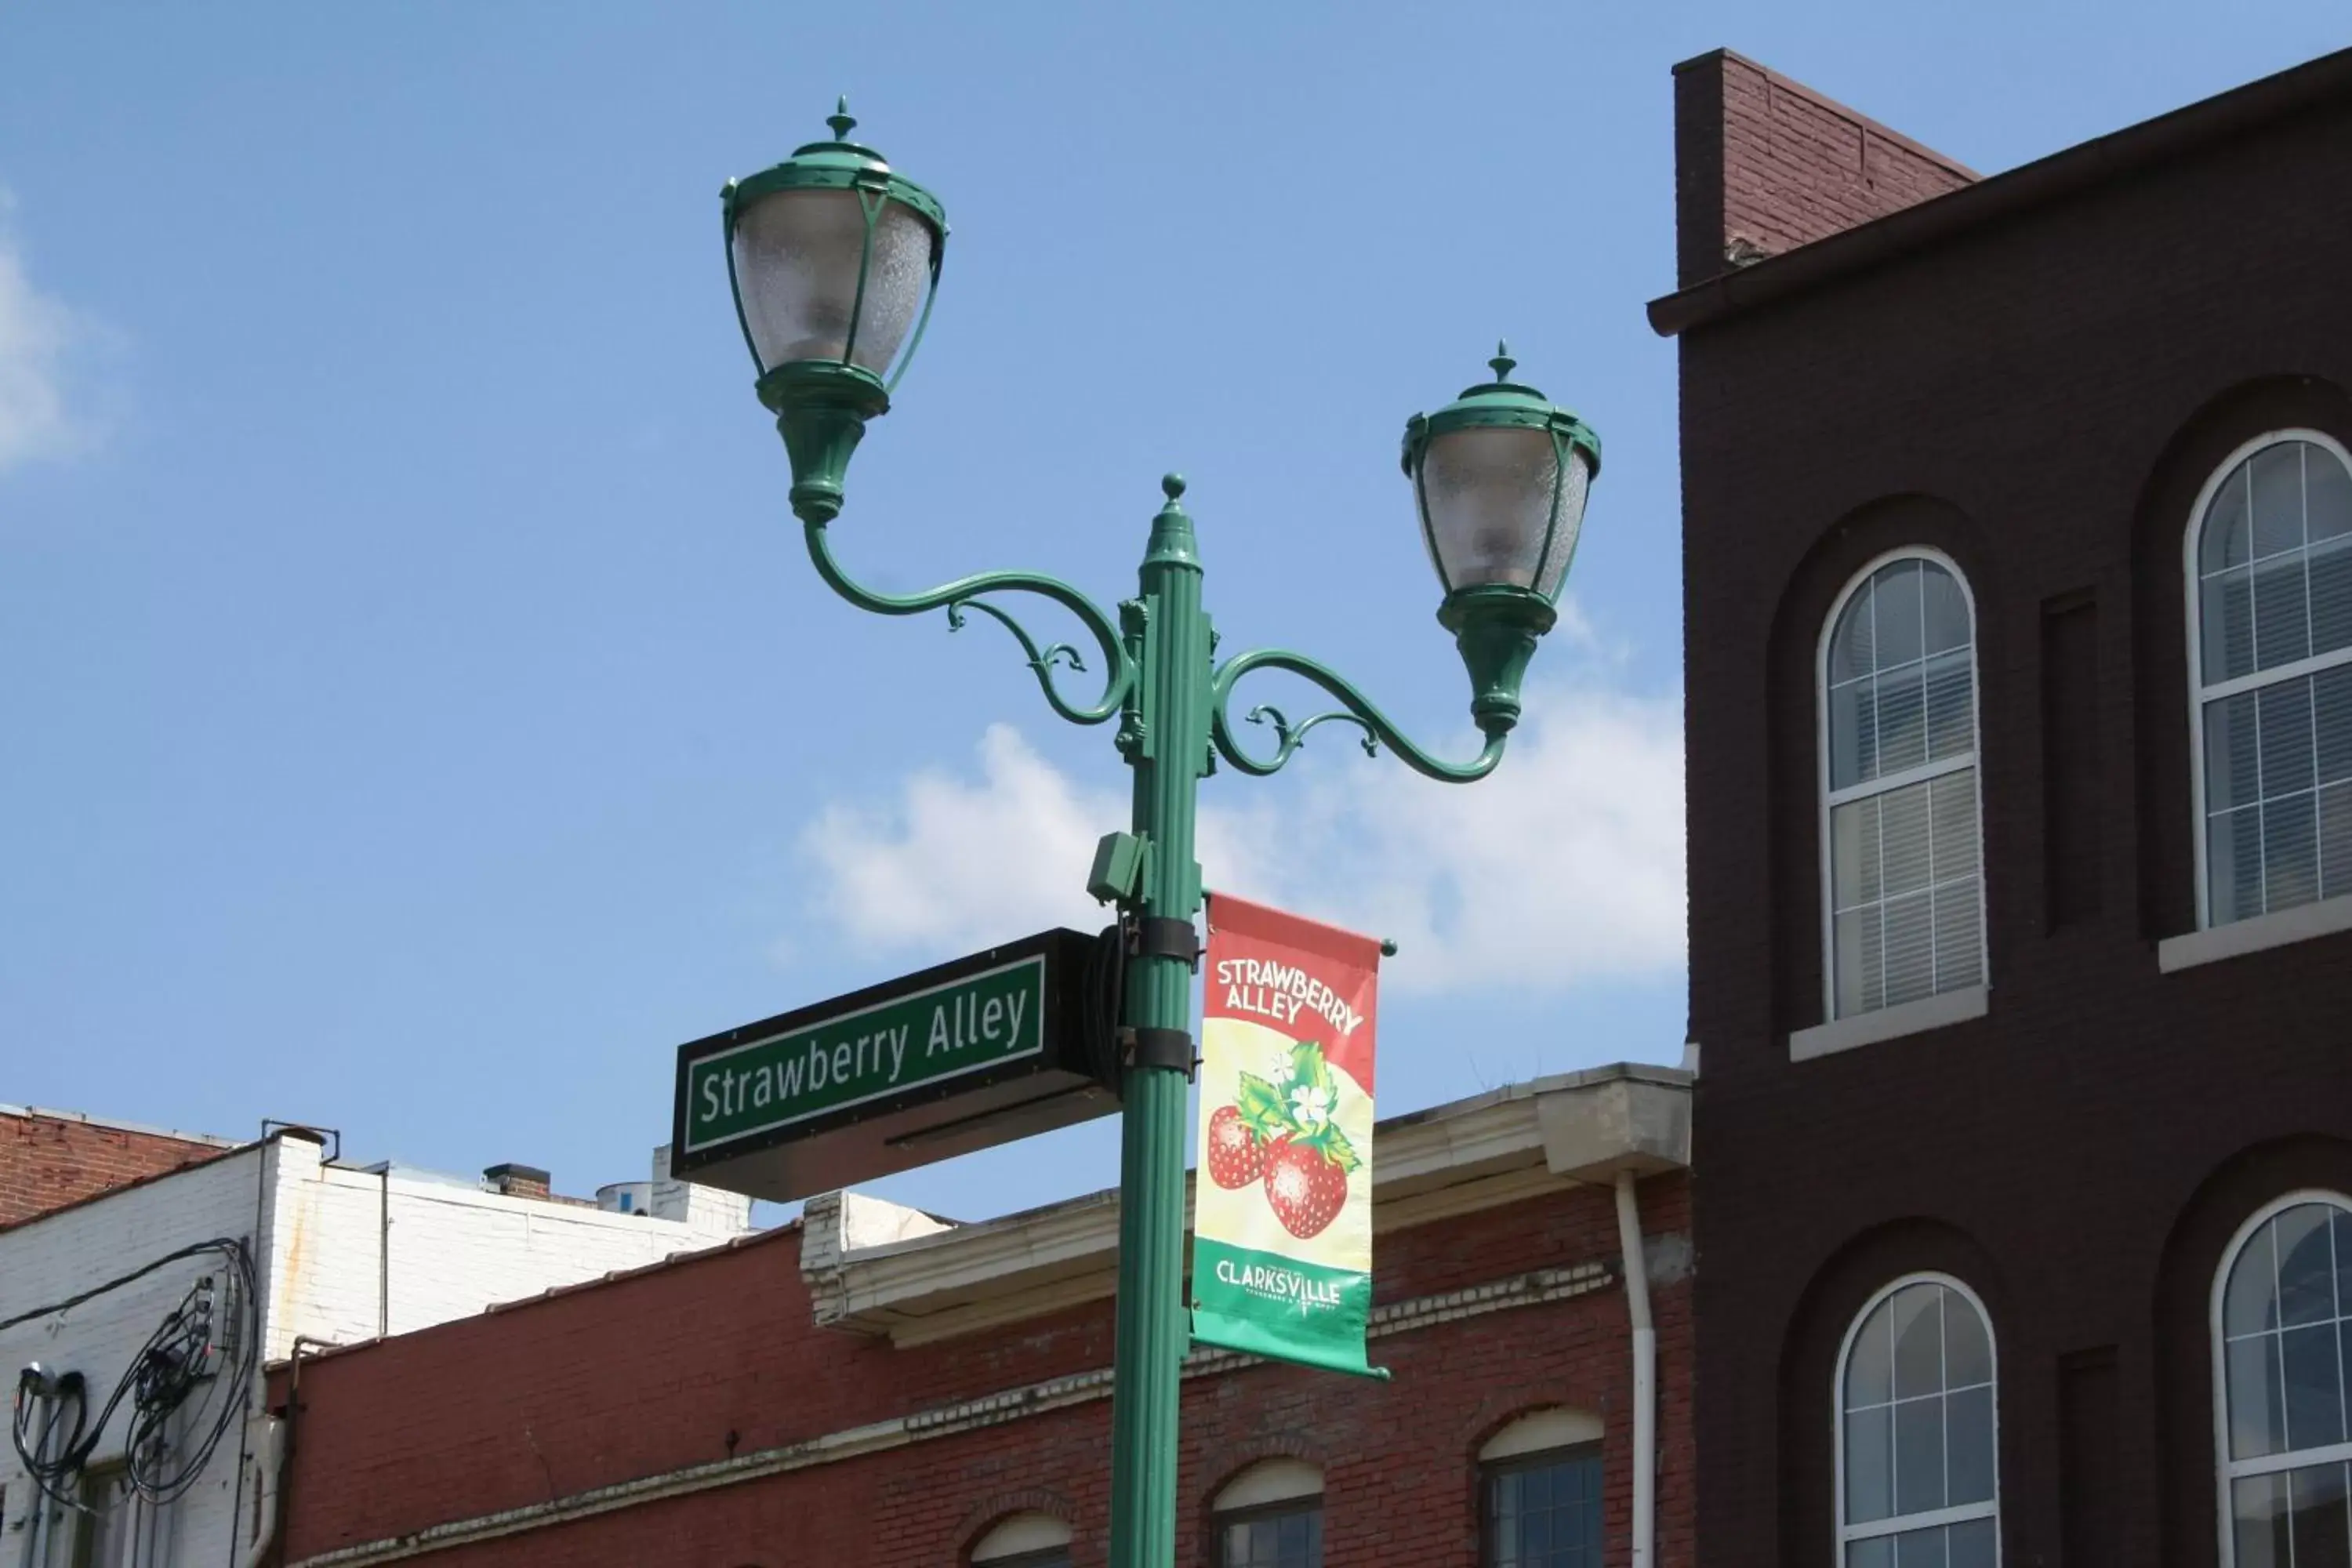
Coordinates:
(1157, 936)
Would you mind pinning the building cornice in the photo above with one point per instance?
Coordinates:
(1506, 1146)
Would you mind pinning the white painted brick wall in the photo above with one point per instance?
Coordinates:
(453, 1249)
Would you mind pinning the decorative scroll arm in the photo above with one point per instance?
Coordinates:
(1379, 728)
(964, 593)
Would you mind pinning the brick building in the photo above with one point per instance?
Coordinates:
(51, 1158)
(255, 1252)
(2020, 728)
(869, 1386)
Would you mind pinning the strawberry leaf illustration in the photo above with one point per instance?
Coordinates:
(1336, 1147)
(1310, 1070)
(1261, 1105)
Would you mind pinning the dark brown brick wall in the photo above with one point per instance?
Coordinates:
(2040, 398)
(1769, 164)
(47, 1162)
(665, 1369)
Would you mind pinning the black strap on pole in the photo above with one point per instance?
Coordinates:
(1159, 1048)
(1156, 936)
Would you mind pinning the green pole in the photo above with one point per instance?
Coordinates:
(1166, 738)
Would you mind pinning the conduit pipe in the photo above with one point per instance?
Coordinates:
(1645, 1373)
(272, 1456)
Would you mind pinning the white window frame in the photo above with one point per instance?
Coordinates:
(1828, 800)
(2226, 1470)
(2199, 693)
(1897, 1524)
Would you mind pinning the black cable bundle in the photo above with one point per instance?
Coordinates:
(159, 1385)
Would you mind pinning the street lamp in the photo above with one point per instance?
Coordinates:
(835, 258)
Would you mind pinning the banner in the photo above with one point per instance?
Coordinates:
(1281, 1208)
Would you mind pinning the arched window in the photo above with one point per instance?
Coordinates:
(1539, 1481)
(2270, 634)
(2282, 1326)
(1271, 1516)
(1917, 1477)
(1902, 871)
(1023, 1540)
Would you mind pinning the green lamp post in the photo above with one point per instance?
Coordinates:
(835, 258)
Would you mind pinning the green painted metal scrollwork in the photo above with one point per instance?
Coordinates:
(1379, 728)
(965, 594)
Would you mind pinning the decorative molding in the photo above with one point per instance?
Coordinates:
(1503, 1147)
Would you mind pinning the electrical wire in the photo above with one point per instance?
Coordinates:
(159, 1384)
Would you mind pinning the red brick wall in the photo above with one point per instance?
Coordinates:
(47, 1162)
(690, 1362)
(1766, 165)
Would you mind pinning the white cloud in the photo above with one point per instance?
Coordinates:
(1565, 866)
(37, 333)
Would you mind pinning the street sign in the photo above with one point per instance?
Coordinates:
(961, 1057)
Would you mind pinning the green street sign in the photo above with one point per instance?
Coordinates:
(953, 1058)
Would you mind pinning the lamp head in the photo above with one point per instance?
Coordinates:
(1500, 477)
(834, 259)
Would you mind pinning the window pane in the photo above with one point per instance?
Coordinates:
(2233, 848)
(1918, 1339)
(2232, 755)
(2331, 704)
(1910, 956)
(2306, 1264)
(2316, 1496)
(2225, 542)
(1870, 1365)
(2327, 494)
(2226, 620)
(1952, 706)
(1918, 1455)
(1854, 853)
(1968, 1354)
(1547, 1516)
(2250, 1301)
(2274, 474)
(1896, 591)
(1971, 1544)
(2258, 1518)
(1946, 608)
(1919, 1549)
(2331, 596)
(1878, 1551)
(1904, 842)
(2290, 852)
(1902, 719)
(1853, 732)
(2285, 720)
(1851, 650)
(1857, 963)
(1968, 1444)
(2257, 1423)
(2314, 1386)
(1959, 936)
(2281, 624)
(1952, 813)
(1869, 1465)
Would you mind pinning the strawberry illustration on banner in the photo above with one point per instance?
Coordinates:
(1282, 1221)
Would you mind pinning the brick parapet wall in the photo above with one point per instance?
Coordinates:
(1764, 164)
(717, 1357)
(48, 1160)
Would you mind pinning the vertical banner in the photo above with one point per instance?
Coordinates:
(1282, 1211)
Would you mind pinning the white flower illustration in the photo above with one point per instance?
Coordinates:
(1310, 1107)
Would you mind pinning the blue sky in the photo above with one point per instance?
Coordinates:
(418, 717)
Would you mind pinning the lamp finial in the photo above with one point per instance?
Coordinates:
(1502, 363)
(842, 121)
